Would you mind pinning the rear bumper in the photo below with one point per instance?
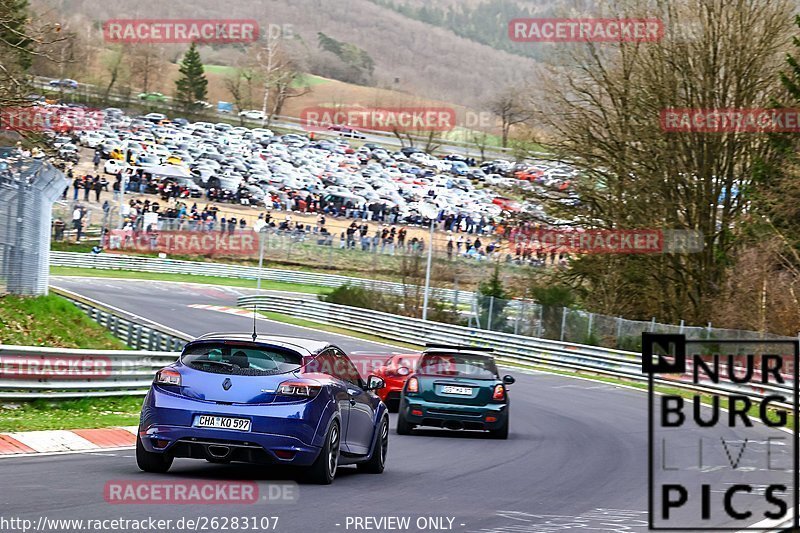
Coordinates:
(424, 413)
(291, 429)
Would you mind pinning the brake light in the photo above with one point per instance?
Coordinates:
(413, 385)
(168, 376)
(499, 392)
(302, 389)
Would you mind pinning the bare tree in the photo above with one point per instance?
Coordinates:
(512, 106)
(114, 62)
(603, 111)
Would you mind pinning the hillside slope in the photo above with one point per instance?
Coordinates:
(409, 55)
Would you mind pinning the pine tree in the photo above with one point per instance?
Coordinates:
(192, 85)
(14, 39)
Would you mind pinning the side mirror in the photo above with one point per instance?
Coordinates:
(374, 383)
(508, 380)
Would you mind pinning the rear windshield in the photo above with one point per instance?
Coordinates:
(242, 360)
(457, 364)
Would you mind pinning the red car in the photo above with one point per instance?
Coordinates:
(395, 371)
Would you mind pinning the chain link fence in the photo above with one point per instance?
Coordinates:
(28, 188)
(525, 317)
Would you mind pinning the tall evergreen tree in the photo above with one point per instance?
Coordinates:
(14, 39)
(192, 84)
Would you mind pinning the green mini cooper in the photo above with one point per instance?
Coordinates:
(456, 387)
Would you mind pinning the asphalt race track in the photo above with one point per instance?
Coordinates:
(577, 453)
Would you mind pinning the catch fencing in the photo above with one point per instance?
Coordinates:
(518, 317)
(526, 352)
(28, 188)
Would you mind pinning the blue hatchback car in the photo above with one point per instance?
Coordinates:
(272, 400)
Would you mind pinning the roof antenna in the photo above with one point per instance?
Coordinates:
(255, 307)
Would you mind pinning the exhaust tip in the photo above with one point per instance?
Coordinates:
(218, 452)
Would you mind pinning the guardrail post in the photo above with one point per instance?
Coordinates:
(540, 324)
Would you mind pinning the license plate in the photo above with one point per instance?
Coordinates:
(449, 389)
(223, 422)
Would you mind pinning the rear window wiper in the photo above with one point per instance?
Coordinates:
(209, 361)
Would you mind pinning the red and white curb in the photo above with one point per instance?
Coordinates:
(59, 441)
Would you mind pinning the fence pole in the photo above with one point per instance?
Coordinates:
(652, 324)
(540, 325)
(589, 333)
(563, 322)
(619, 331)
(491, 308)
(680, 330)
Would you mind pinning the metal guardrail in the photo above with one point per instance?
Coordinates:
(174, 266)
(530, 352)
(136, 332)
(31, 372)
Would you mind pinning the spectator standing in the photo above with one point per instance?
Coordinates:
(98, 187)
(87, 187)
(77, 222)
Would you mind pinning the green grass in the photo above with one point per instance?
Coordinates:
(287, 319)
(307, 80)
(219, 69)
(83, 413)
(207, 280)
(51, 321)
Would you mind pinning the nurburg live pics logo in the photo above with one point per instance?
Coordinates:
(723, 454)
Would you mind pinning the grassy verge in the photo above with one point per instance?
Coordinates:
(287, 319)
(208, 280)
(82, 413)
(51, 321)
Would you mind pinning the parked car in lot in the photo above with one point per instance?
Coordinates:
(272, 400)
(456, 387)
(64, 84)
(69, 152)
(346, 131)
(152, 97)
(252, 114)
(114, 166)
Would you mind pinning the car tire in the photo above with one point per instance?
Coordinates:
(501, 432)
(403, 427)
(377, 461)
(154, 463)
(324, 468)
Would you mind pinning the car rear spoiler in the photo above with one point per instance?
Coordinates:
(458, 347)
